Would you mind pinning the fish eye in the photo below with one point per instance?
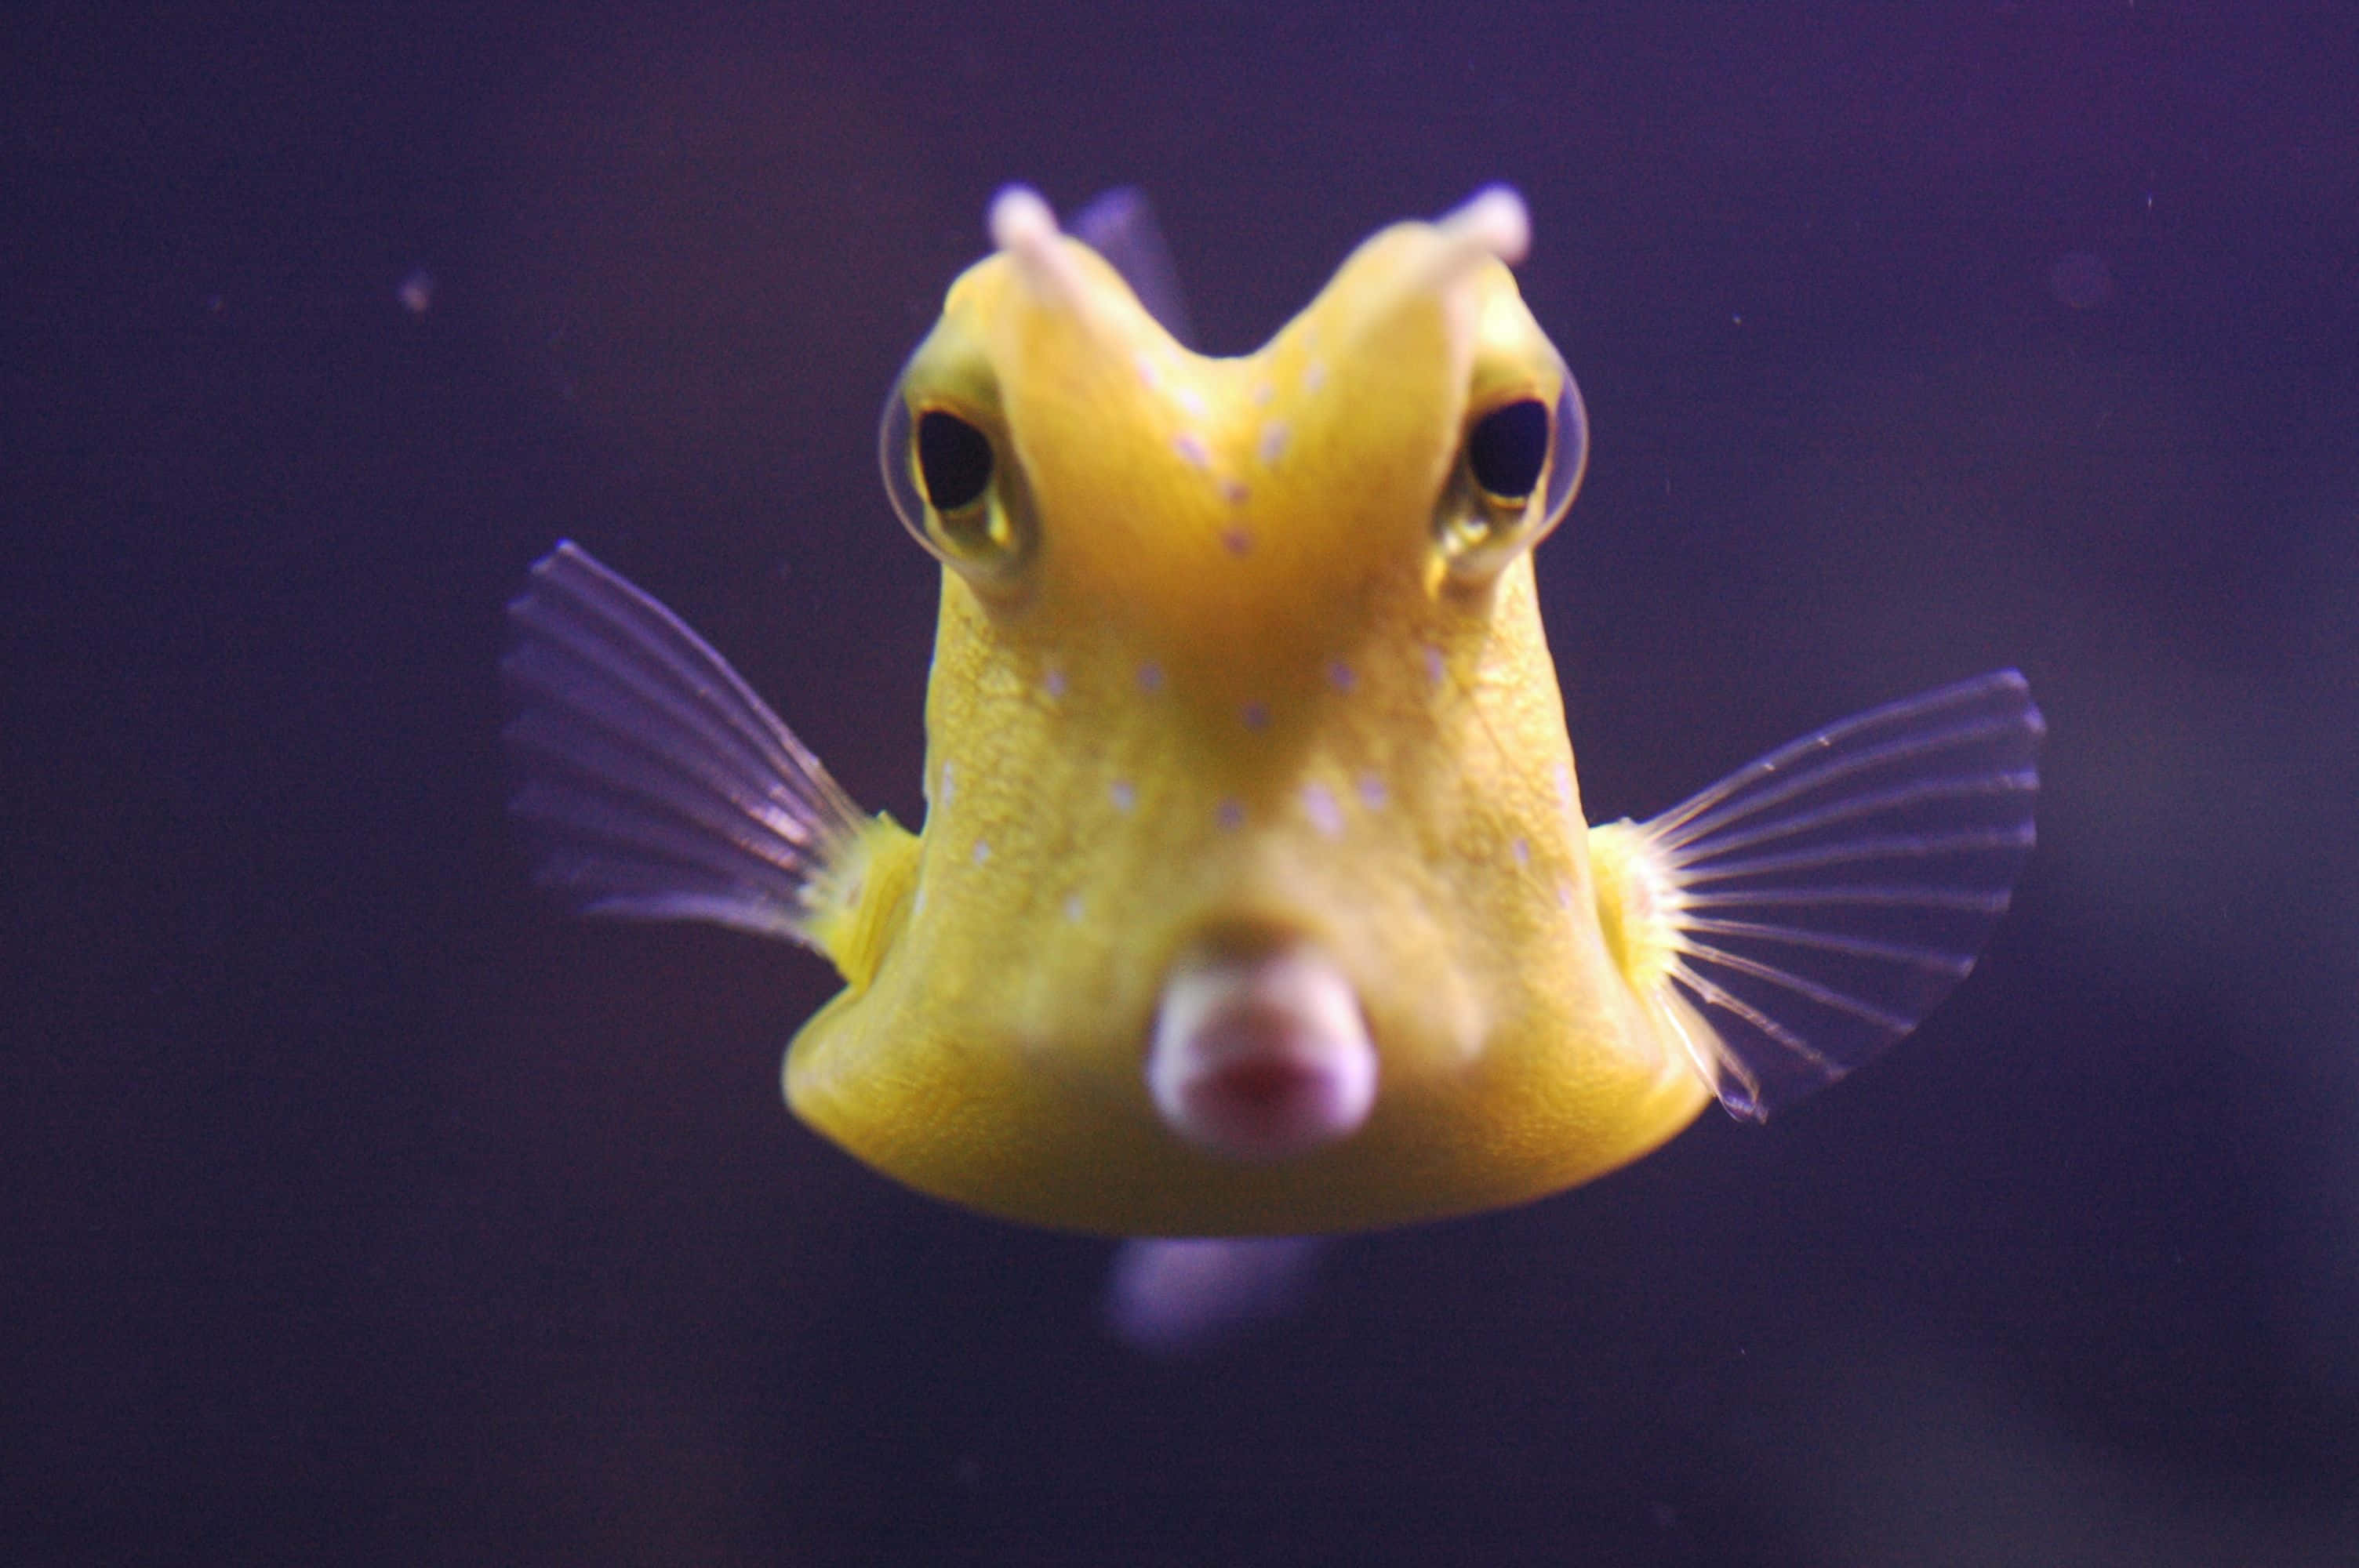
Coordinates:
(941, 468)
(953, 460)
(1507, 450)
(1518, 465)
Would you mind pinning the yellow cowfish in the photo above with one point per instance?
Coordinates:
(1255, 895)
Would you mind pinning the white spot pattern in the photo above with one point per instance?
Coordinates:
(1318, 805)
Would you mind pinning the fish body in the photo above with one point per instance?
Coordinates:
(1255, 896)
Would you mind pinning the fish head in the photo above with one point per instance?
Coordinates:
(1254, 894)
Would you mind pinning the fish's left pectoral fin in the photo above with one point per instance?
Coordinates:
(654, 784)
(1812, 908)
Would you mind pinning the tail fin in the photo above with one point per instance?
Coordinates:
(655, 784)
(1812, 908)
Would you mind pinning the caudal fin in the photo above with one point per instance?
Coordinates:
(1812, 908)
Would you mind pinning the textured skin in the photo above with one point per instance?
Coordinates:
(1231, 694)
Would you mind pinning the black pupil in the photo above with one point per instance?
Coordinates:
(954, 460)
(1508, 448)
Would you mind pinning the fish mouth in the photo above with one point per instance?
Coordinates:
(1260, 1052)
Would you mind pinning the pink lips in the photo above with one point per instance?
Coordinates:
(1261, 1058)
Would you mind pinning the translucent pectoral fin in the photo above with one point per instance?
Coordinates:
(1813, 907)
(655, 784)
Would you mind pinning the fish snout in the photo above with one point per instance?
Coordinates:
(1260, 1055)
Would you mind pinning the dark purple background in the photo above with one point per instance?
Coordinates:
(359, 1209)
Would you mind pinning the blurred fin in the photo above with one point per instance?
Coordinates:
(1812, 908)
(1120, 227)
(654, 785)
(1178, 1296)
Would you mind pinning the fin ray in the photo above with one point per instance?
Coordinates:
(1819, 903)
(1724, 832)
(1929, 898)
(1828, 942)
(655, 784)
(1853, 737)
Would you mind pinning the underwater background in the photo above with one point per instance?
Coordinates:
(359, 1207)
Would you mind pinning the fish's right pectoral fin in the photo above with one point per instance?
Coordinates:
(654, 784)
(1810, 909)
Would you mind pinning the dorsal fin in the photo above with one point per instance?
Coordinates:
(1120, 227)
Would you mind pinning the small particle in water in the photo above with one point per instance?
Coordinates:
(1272, 444)
(942, 795)
(1340, 676)
(1237, 540)
(1372, 790)
(1073, 908)
(1255, 715)
(1230, 813)
(2081, 280)
(1151, 677)
(416, 292)
(1053, 681)
(1191, 449)
(1123, 793)
(981, 852)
